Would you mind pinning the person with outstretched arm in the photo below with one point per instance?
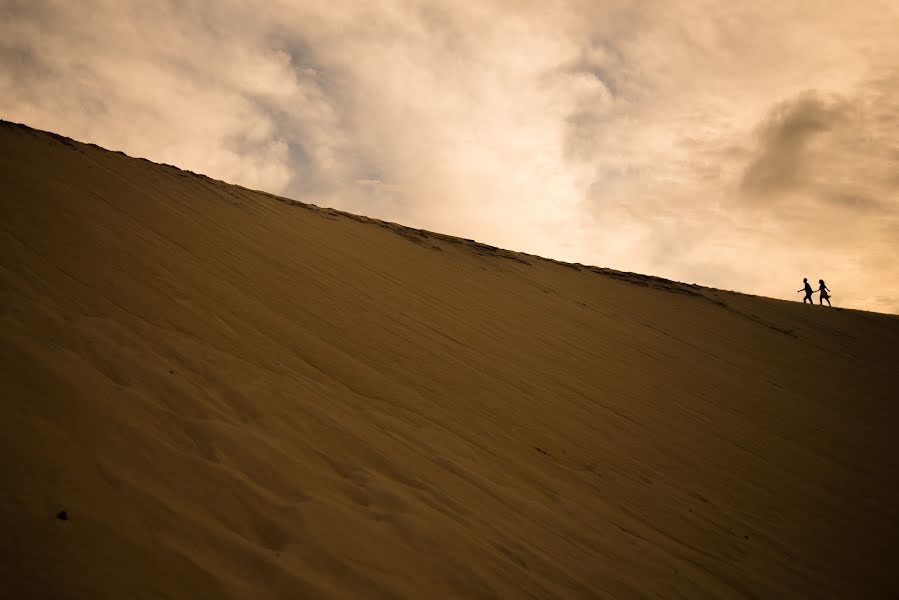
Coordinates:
(808, 291)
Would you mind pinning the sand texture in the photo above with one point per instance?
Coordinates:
(233, 395)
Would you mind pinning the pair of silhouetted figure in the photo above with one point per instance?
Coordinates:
(809, 291)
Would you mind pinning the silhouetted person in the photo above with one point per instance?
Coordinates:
(824, 295)
(808, 291)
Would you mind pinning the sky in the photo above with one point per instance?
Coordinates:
(735, 144)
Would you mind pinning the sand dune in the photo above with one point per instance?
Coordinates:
(236, 396)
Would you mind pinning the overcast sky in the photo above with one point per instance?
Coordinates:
(742, 145)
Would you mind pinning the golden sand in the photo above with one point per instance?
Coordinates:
(233, 395)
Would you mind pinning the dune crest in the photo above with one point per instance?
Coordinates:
(231, 395)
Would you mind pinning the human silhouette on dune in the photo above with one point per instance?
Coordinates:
(808, 291)
(824, 295)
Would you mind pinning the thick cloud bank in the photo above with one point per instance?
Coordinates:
(737, 146)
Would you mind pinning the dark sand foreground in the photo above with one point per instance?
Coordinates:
(236, 396)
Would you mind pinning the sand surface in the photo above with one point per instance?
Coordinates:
(236, 396)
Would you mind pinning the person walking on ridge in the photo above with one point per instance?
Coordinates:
(808, 291)
(824, 295)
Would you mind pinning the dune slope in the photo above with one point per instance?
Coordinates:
(236, 396)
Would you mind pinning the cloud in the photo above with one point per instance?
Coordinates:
(835, 151)
(785, 135)
(170, 84)
(736, 145)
